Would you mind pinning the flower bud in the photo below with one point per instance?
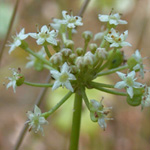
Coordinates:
(66, 52)
(117, 59)
(72, 58)
(101, 53)
(74, 69)
(69, 44)
(93, 47)
(88, 59)
(79, 62)
(56, 59)
(79, 51)
(87, 35)
(131, 63)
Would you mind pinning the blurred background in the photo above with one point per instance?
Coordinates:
(130, 128)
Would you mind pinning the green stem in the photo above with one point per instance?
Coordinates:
(47, 51)
(64, 38)
(85, 46)
(70, 33)
(112, 70)
(47, 114)
(98, 87)
(103, 85)
(76, 122)
(27, 49)
(85, 98)
(38, 84)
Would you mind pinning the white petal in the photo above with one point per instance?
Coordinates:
(114, 45)
(121, 75)
(71, 77)
(64, 68)
(113, 21)
(102, 123)
(33, 35)
(120, 85)
(131, 74)
(122, 22)
(56, 85)
(12, 47)
(37, 110)
(29, 64)
(68, 86)
(51, 40)
(17, 43)
(40, 41)
(56, 74)
(103, 18)
(125, 44)
(44, 29)
(130, 92)
(137, 84)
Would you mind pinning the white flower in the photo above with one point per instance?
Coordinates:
(17, 40)
(146, 98)
(139, 65)
(13, 80)
(33, 60)
(112, 19)
(128, 82)
(45, 35)
(63, 77)
(36, 121)
(99, 113)
(57, 23)
(72, 21)
(117, 40)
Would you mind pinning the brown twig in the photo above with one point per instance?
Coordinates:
(83, 8)
(9, 28)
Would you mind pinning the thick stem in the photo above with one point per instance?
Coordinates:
(76, 122)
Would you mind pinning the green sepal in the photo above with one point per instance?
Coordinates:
(135, 101)
(92, 116)
(20, 81)
(117, 59)
(24, 44)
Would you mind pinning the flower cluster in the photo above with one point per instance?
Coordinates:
(75, 68)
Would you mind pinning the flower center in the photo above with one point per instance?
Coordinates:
(71, 20)
(129, 81)
(63, 77)
(44, 35)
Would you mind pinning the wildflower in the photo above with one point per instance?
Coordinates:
(36, 121)
(71, 21)
(45, 35)
(112, 19)
(63, 77)
(57, 23)
(128, 82)
(33, 60)
(99, 113)
(117, 40)
(16, 80)
(139, 63)
(17, 40)
(146, 98)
